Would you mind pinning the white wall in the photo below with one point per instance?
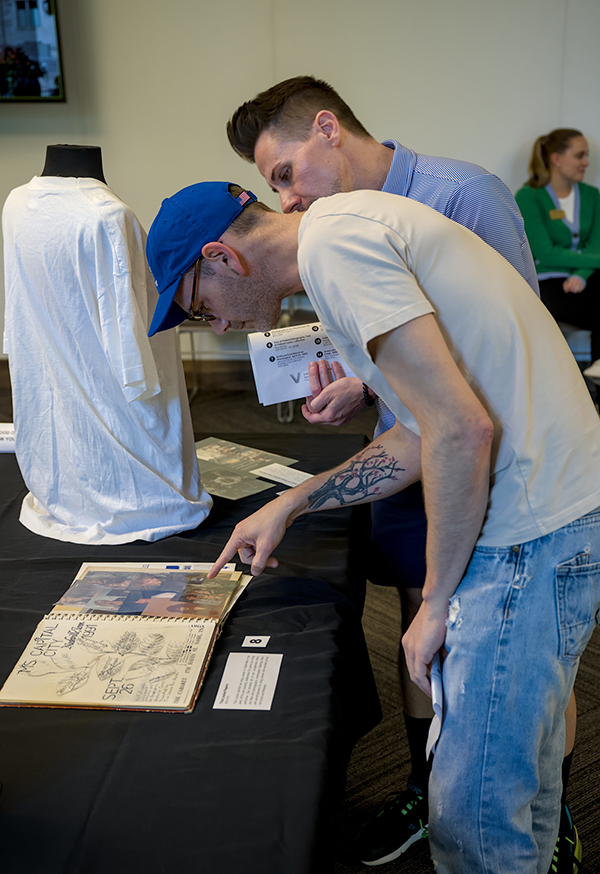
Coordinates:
(154, 83)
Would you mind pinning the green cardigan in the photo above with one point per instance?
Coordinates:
(550, 239)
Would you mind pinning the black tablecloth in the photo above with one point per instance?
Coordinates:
(238, 792)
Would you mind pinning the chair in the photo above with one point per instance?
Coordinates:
(196, 330)
(579, 342)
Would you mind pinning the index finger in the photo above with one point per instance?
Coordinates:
(227, 554)
(424, 685)
(314, 379)
(325, 375)
(421, 677)
(319, 376)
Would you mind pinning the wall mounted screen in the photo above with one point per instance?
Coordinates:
(30, 62)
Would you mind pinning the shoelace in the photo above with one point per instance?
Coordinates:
(578, 867)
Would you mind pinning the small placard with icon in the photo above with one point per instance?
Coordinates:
(256, 640)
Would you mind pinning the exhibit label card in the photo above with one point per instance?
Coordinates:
(249, 681)
(225, 467)
(253, 640)
(288, 476)
(280, 360)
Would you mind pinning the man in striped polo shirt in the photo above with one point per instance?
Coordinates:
(307, 143)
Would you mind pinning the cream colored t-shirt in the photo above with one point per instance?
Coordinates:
(372, 261)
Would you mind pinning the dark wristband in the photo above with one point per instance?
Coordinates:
(368, 401)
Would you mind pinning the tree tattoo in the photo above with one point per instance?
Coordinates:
(361, 479)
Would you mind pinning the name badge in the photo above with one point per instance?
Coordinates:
(556, 214)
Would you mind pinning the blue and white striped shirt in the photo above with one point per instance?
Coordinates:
(469, 195)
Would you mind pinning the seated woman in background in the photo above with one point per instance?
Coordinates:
(562, 222)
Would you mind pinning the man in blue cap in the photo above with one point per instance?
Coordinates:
(183, 228)
(471, 364)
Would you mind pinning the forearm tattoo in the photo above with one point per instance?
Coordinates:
(361, 479)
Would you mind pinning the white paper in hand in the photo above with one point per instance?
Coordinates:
(437, 701)
(280, 360)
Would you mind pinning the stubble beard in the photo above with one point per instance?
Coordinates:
(262, 302)
(335, 187)
(267, 311)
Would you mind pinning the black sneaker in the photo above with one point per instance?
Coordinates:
(401, 822)
(567, 852)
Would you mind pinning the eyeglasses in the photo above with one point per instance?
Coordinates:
(193, 315)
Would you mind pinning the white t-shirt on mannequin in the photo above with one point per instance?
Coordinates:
(103, 430)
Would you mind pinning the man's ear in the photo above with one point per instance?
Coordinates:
(326, 125)
(224, 259)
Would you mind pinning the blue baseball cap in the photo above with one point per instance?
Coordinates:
(185, 223)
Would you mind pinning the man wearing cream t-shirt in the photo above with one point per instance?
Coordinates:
(472, 365)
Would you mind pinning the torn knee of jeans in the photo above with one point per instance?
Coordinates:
(453, 611)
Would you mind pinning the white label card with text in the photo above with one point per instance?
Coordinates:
(280, 360)
(249, 681)
(279, 473)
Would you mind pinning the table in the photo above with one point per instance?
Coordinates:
(238, 792)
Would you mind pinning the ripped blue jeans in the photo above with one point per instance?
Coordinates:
(518, 624)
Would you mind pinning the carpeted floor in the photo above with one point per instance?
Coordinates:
(226, 402)
(379, 765)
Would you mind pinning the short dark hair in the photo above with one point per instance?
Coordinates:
(243, 224)
(288, 109)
